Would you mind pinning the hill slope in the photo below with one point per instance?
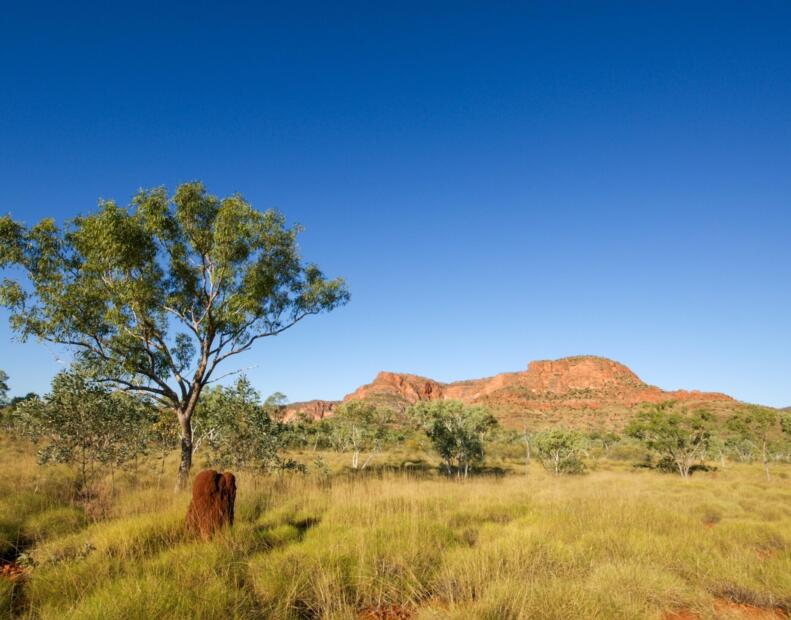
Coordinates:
(581, 391)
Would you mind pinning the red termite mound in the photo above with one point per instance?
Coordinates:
(213, 497)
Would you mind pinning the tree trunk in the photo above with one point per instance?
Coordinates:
(185, 421)
(527, 452)
(765, 454)
(161, 470)
(683, 469)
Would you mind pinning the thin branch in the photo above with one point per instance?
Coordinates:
(249, 343)
(231, 373)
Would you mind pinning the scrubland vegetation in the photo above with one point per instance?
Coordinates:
(402, 539)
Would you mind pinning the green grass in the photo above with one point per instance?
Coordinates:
(617, 543)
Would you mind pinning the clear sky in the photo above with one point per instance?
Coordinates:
(497, 184)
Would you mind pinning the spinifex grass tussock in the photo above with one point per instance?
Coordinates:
(617, 543)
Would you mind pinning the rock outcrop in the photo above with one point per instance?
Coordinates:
(410, 388)
(577, 391)
(310, 409)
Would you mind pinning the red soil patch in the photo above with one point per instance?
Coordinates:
(12, 571)
(728, 610)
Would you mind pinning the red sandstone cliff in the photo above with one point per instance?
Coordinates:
(311, 409)
(581, 390)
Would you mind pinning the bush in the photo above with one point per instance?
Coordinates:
(559, 451)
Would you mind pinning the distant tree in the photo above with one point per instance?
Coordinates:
(526, 440)
(357, 427)
(680, 437)
(560, 450)
(456, 431)
(756, 427)
(717, 447)
(302, 431)
(785, 429)
(738, 447)
(19, 399)
(275, 405)
(242, 434)
(785, 424)
(83, 424)
(3, 388)
(605, 438)
(153, 297)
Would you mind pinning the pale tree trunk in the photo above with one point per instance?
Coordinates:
(527, 450)
(161, 469)
(683, 467)
(185, 422)
(368, 459)
(765, 455)
(355, 448)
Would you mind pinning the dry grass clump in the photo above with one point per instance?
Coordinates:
(614, 544)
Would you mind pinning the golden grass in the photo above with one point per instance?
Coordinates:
(617, 543)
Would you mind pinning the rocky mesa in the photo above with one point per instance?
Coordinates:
(580, 391)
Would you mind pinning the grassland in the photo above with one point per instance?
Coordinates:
(616, 543)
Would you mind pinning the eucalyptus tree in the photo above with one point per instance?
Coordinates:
(758, 428)
(785, 424)
(85, 425)
(153, 297)
(679, 436)
(358, 427)
(240, 430)
(559, 450)
(456, 431)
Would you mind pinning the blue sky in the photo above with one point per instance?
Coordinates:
(497, 184)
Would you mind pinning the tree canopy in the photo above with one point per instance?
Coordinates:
(559, 450)
(679, 436)
(456, 431)
(757, 429)
(358, 427)
(152, 297)
(84, 424)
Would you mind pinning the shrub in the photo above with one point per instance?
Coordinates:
(559, 451)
